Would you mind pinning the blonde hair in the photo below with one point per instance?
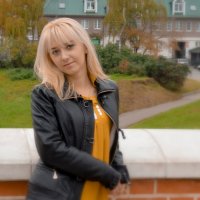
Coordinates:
(62, 30)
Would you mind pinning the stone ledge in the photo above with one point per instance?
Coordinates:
(148, 153)
(162, 153)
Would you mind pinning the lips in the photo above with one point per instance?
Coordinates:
(67, 64)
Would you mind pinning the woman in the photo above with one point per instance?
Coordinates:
(75, 119)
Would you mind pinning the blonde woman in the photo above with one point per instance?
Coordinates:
(75, 119)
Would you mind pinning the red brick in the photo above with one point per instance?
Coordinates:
(182, 198)
(142, 198)
(178, 186)
(142, 187)
(13, 188)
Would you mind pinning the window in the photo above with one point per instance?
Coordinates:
(178, 26)
(97, 24)
(169, 26)
(197, 43)
(198, 27)
(61, 5)
(179, 7)
(193, 7)
(85, 23)
(189, 26)
(90, 6)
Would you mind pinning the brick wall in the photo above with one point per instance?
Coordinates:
(140, 189)
(13, 188)
(162, 189)
(164, 164)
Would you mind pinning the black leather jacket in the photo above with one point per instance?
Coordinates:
(64, 137)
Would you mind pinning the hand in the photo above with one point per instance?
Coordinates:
(120, 189)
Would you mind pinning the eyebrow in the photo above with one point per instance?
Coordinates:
(67, 43)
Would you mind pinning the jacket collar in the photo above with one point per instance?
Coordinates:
(104, 86)
(101, 85)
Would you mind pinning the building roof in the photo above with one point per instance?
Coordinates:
(192, 8)
(72, 8)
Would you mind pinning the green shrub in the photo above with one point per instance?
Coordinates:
(20, 74)
(169, 75)
(136, 69)
(109, 56)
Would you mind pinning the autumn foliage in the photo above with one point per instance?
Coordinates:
(20, 24)
(135, 22)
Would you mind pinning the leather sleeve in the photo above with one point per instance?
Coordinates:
(120, 167)
(54, 152)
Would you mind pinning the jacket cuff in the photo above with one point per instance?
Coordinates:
(113, 180)
(122, 169)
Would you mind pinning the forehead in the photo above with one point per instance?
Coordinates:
(60, 35)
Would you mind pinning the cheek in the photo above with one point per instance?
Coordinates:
(54, 60)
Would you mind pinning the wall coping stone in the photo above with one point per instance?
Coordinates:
(148, 153)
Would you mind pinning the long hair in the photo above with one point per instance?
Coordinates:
(61, 31)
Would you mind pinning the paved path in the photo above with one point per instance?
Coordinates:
(195, 74)
(135, 116)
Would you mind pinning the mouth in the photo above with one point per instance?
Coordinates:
(67, 64)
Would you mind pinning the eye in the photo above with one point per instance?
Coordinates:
(55, 52)
(69, 46)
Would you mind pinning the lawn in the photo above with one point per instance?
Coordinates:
(186, 117)
(15, 102)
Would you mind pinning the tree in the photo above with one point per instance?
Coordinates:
(22, 17)
(136, 22)
(20, 25)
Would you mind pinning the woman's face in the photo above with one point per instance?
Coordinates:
(69, 57)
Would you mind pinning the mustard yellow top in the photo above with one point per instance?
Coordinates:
(101, 148)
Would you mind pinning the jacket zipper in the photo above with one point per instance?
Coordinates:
(84, 121)
(110, 118)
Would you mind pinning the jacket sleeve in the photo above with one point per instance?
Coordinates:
(118, 165)
(118, 162)
(54, 152)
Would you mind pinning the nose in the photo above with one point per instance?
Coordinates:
(64, 54)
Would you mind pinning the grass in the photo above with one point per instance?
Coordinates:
(15, 109)
(186, 117)
(117, 77)
(15, 102)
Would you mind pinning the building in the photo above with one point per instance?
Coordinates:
(180, 36)
(89, 13)
(182, 28)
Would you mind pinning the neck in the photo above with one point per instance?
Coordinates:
(82, 84)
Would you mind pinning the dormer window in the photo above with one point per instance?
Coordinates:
(90, 6)
(179, 7)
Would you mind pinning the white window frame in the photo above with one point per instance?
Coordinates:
(85, 23)
(188, 26)
(90, 6)
(97, 24)
(179, 7)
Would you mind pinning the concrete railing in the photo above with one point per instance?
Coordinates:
(163, 163)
